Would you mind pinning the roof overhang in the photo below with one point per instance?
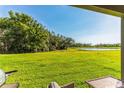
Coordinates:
(115, 10)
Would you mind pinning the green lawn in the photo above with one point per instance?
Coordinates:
(39, 69)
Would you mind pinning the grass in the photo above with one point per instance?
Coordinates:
(39, 69)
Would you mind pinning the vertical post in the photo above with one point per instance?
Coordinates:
(122, 49)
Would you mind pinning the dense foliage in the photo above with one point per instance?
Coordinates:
(96, 45)
(82, 45)
(108, 45)
(20, 33)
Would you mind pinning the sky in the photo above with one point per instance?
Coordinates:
(82, 25)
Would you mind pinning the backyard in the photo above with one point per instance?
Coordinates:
(62, 66)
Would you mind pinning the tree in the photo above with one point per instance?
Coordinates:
(20, 33)
(23, 34)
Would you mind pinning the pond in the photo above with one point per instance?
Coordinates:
(99, 49)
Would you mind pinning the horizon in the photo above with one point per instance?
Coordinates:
(82, 25)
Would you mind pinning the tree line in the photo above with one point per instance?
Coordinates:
(20, 33)
(108, 45)
(96, 45)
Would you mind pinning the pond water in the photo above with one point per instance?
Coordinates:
(99, 49)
